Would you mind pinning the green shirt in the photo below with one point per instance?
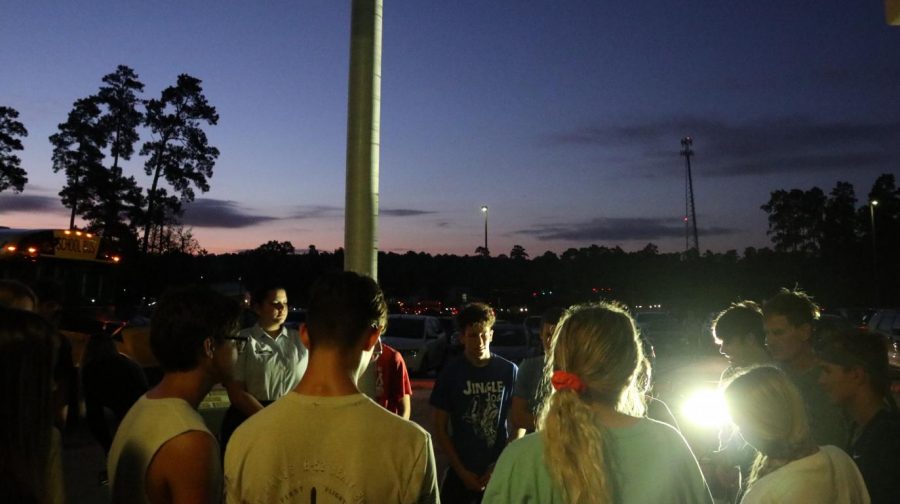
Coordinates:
(650, 463)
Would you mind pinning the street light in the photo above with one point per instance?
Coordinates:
(484, 210)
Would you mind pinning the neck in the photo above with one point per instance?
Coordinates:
(329, 373)
(480, 361)
(804, 361)
(272, 330)
(192, 386)
(759, 356)
(609, 417)
(864, 406)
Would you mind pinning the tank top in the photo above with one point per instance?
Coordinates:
(149, 424)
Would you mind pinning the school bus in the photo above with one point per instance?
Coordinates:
(83, 263)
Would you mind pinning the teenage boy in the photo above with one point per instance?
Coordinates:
(471, 399)
(325, 441)
(741, 336)
(856, 376)
(788, 318)
(163, 452)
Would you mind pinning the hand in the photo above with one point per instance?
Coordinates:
(471, 480)
(486, 476)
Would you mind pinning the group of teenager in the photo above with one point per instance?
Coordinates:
(813, 417)
(811, 402)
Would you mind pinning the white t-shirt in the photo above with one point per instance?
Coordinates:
(149, 424)
(270, 367)
(828, 476)
(343, 449)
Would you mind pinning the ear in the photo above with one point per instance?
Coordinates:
(859, 376)
(208, 347)
(372, 335)
(304, 336)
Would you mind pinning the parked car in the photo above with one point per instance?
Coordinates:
(887, 323)
(663, 331)
(421, 339)
(513, 342)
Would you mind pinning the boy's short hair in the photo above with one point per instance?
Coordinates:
(475, 314)
(183, 319)
(12, 292)
(852, 347)
(341, 307)
(738, 321)
(795, 305)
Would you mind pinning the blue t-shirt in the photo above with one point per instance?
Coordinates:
(477, 400)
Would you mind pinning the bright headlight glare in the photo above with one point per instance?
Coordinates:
(706, 408)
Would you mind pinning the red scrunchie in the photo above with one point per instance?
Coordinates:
(562, 380)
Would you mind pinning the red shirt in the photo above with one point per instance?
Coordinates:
(391, 380)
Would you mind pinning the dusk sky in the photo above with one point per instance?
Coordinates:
(564, 117)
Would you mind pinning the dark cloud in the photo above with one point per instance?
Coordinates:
(214, 213)
(792, 144)
(29, 203)
(317, 211)
(618, 229)
(403, 212)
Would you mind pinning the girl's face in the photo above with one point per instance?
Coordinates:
(273, 310)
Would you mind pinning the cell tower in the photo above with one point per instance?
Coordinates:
(690, 214)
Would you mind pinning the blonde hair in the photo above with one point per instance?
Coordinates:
(768, 409)
(599, 344)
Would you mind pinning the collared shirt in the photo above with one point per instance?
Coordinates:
(270, 366)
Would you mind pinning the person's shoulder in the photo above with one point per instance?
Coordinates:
(887, 420)
(251, 332)
(837, 455)
(660, 432)
(528, 444)
(393, 426)
(531, 363)
(501, 363)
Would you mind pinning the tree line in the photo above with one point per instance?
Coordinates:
(823, 244)
(100, 133)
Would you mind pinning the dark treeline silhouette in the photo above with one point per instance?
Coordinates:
(823, 243)
(692, 285)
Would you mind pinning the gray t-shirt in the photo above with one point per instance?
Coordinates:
(528, 382)
(343, 449)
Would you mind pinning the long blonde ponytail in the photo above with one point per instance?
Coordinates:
(597, 343)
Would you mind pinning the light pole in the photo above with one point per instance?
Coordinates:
(484, 210)
(872, 205)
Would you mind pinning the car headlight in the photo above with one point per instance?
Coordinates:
(706, 408)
